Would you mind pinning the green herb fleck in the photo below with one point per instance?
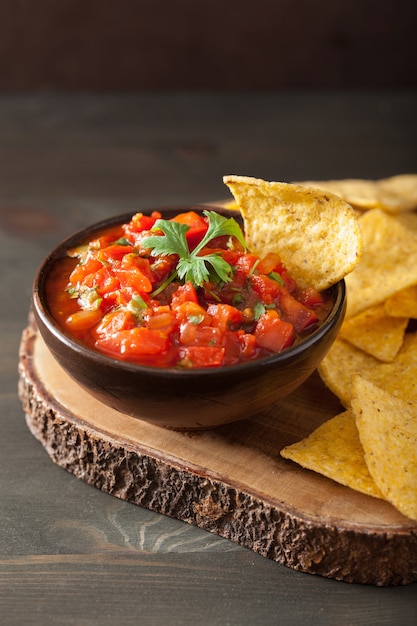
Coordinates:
(123, 242)
(258, 310)
(89, 299)
(137, 305)
(277, 277)
(196, 319)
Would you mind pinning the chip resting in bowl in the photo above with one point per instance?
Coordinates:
(315, 232)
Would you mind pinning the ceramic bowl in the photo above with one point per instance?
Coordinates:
(180, 399)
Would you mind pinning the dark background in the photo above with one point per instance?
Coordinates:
(218, 44)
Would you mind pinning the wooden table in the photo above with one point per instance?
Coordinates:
(69, 553)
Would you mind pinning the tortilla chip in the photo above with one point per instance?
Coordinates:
(403, 303)
(388, 433)
(393, 195)
(341, 362)
(408, 220)
(398, 193)
(399, 378)
(334, 450)
(375, 332)
(359, 193)
(315, 233)
(388, 263)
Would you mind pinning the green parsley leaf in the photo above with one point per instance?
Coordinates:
(191, 265)
(219, 226)
(173, 241)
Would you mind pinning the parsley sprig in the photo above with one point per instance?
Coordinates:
(192, 265)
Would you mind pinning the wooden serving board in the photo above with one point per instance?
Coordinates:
(230, 481)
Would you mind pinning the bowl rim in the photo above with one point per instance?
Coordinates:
(42, 312)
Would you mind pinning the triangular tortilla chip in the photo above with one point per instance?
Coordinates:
(375, 332)
(357, 192)
(399, 377)
(394, 194)
(341, 362)
(388, 433)
(344, 360)
(315, 233)
(388, 263)
(334, 450)
(398, 193)
(403, 303)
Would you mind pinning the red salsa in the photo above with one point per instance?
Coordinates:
(183, 293)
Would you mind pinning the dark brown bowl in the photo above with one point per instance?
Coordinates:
(181, 399)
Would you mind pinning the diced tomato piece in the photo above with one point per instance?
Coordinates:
(201, 356)
(109, 301)
(188, 334)
(136, 343)
(90, 266)
(224, 316)
(267, 288)
(230, 256)
(83, 320)
(232, 347)
(114, 321)
(248, 345)
(270, 262)
(246, 262)
(184, 293)
(192, 312)
(197, 227)
(106, 282)
(134, 278)
(163, 267)
(296, 313)
(194, 236)
(192, 335)
(105, 240)
(114, 299)
(310, 297)
(163, 321)
(115, 252)
(273, 333)
(140, 222)
(134, 261)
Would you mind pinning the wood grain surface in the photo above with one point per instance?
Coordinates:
(230, 480)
